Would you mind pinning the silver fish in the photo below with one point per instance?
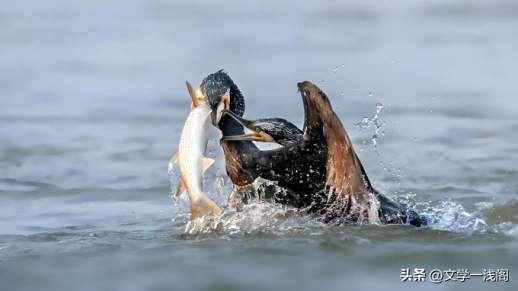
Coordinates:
(196, 132)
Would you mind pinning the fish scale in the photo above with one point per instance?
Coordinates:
(195, 135)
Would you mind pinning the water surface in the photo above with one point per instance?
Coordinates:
(92, 99)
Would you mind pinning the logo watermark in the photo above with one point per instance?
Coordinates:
(439, 276)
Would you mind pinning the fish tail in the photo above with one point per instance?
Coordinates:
(204, 206)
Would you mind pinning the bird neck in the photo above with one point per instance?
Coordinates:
(237, 101)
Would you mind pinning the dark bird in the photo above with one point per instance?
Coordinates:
(320, 172)
(276, 130)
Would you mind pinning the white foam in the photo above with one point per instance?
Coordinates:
(452, 216)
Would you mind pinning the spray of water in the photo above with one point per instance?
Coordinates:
(452, 216)
(261, 217)
(376, 122)
(335, 69)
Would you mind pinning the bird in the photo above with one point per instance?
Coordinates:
(276, 130)
(319, 172)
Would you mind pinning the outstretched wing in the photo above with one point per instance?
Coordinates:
(345, 174)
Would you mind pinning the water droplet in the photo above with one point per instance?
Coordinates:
(379, 107)
(364, 123)
(375, 120)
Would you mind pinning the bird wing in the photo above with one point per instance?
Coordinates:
(344, 170)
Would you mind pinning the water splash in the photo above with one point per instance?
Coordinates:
(507, 228)
(259, 217)
(256, 217)
(452, 216)
(173, 173)
(502, 216)
(378, 124)
(335, 69)
(376, 121)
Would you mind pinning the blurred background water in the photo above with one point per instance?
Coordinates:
(92, 99)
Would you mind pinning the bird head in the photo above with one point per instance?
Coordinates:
(222, 94)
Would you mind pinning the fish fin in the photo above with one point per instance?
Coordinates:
(204, 206)
(207, 162)
(173, 160)
(180, 188)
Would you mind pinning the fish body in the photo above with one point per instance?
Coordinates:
(195, 135)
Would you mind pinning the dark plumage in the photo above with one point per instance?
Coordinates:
(276, 130)
(282, 131)
(319, 171)
(214, 86)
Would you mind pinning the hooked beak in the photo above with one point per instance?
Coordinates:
(257, 135)
(223, 105)
(260, 136)
(243, 122)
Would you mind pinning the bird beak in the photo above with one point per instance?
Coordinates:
(223, 105)
(241, 121)
(257, 134)
(260, 136)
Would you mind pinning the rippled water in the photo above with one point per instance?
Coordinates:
(92, 99)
